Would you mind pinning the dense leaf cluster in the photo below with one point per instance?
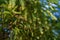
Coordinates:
(26, 20)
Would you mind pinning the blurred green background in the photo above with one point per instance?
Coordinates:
(29, 19)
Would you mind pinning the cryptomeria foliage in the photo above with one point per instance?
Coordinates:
(26, 20)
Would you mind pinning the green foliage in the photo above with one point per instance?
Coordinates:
(53, 1)
(27, 20)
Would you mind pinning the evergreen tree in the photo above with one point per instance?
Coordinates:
(27, 20)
